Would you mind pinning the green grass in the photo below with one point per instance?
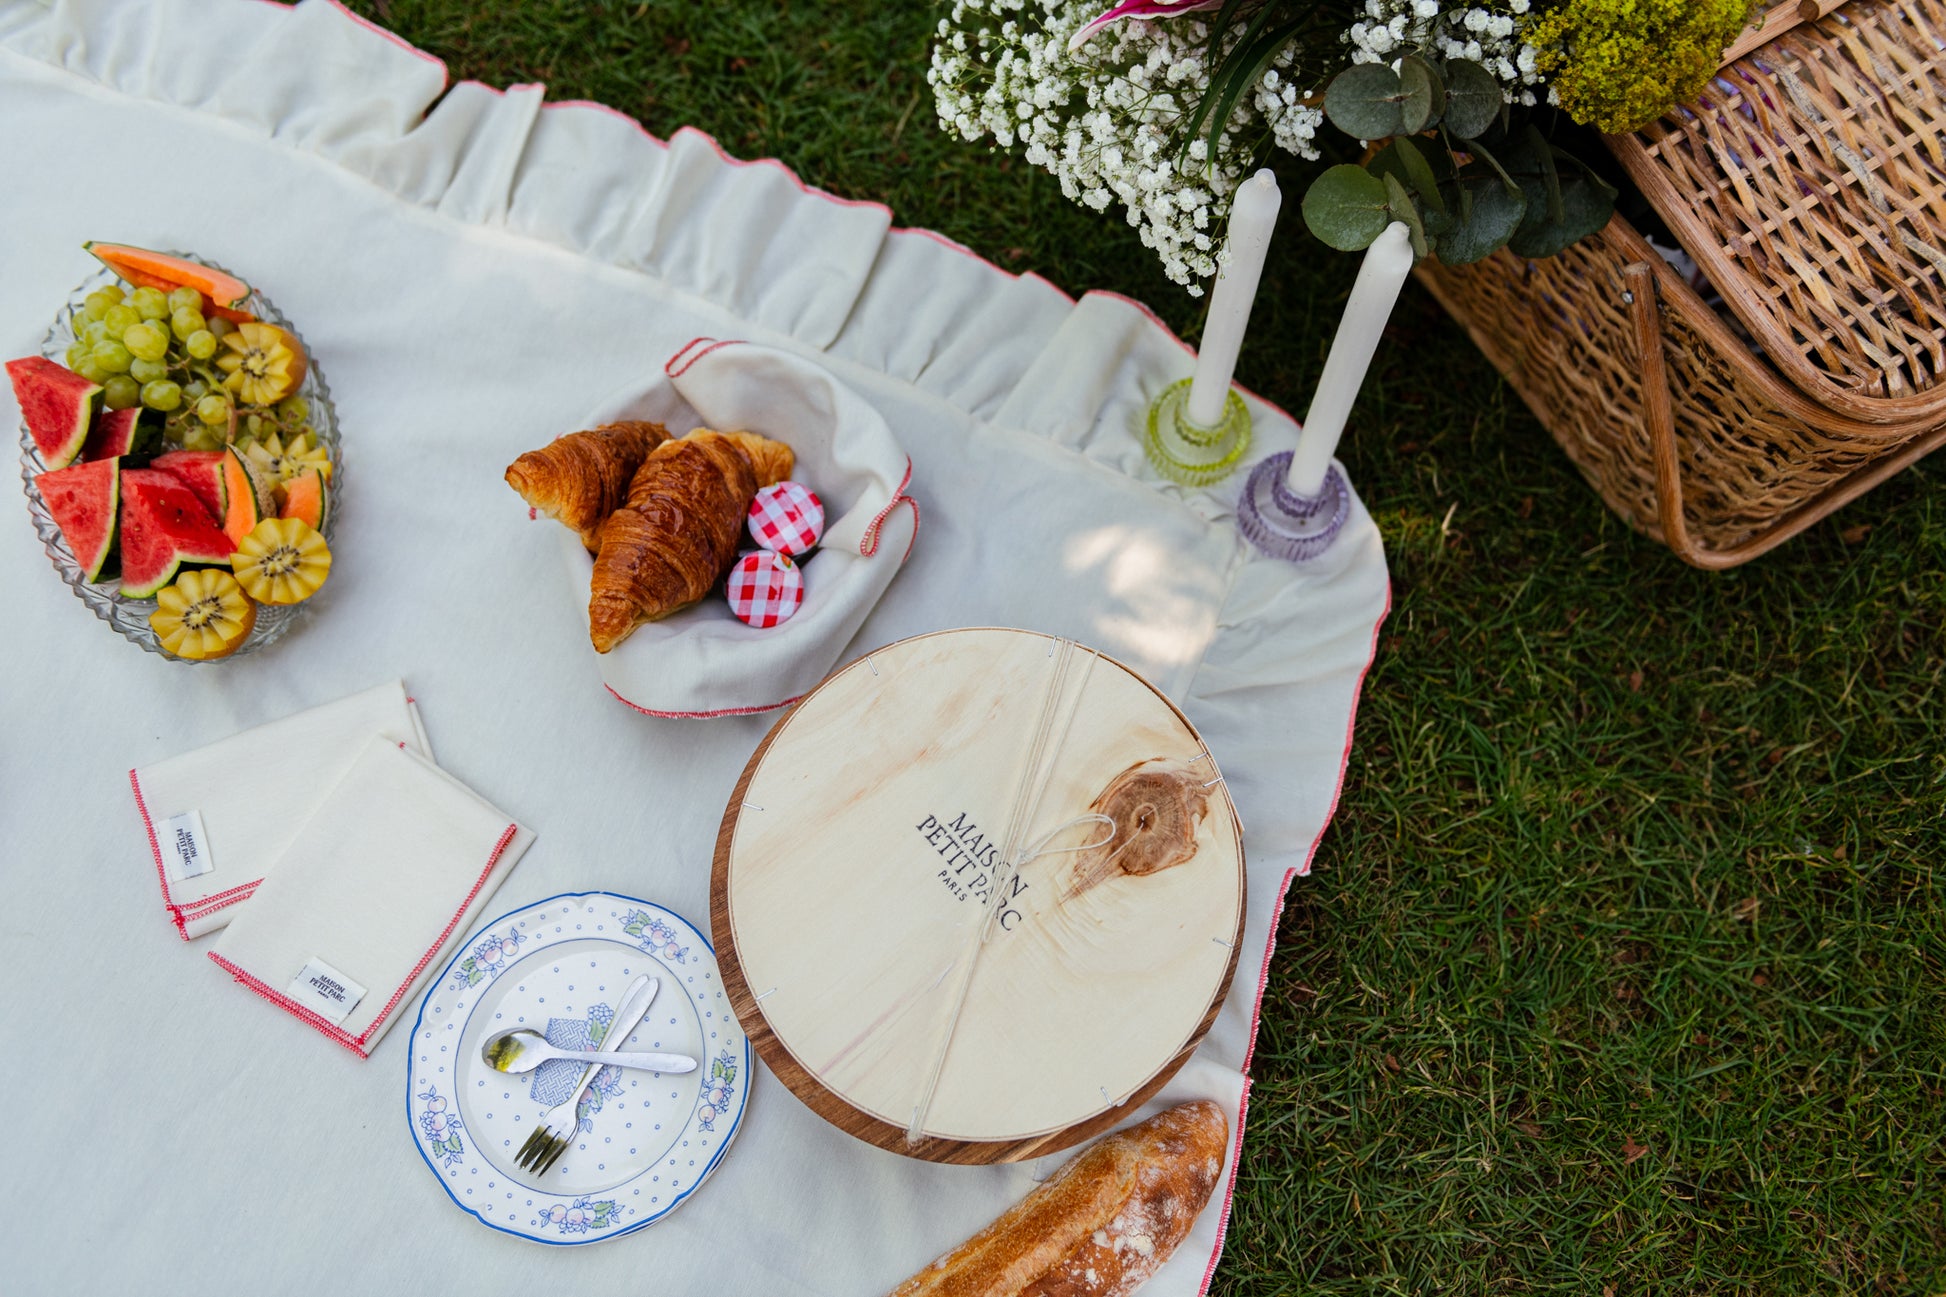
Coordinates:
(1624, 966)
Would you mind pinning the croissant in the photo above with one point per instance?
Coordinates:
(581, 478)
(677, 533)
(772, 461)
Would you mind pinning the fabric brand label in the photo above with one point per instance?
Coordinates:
(325, 991)
(184, 846)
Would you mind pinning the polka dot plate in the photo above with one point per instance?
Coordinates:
(646, 1141)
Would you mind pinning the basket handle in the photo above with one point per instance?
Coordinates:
(1780, 19)
(1639, 294)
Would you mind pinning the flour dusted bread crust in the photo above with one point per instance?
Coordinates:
(581, 478)
(1102, 1224)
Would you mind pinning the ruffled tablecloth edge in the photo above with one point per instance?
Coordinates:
(389, 114)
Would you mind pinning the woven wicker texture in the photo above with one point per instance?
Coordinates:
(1754, 461)
(1814, 198)
(1810, 186)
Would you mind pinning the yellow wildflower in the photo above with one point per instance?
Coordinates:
(1617, 65)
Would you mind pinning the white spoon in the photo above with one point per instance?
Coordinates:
(522, 1049)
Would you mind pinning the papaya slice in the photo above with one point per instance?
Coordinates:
(225, 294)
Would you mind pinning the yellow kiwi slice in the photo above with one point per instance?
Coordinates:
(204, 615)
(281, 561)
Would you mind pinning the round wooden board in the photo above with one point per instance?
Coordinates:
(847, 897)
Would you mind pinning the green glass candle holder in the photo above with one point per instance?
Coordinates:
(1189, 453)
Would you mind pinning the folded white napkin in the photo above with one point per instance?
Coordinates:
(218, 816)
(372, 893)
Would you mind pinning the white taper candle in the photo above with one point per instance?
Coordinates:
(1252, 215)
(1380, 276)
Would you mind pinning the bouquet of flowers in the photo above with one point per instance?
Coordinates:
(1163, 107)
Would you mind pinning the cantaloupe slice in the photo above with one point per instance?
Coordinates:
(244, 498)
(224, 294)
(305, 498)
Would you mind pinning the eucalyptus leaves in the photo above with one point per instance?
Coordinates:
(1465, 176)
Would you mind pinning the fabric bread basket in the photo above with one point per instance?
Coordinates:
(703, 662)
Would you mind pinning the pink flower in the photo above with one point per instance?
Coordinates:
(1141, 11)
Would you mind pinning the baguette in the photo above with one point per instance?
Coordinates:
(1101, 1225)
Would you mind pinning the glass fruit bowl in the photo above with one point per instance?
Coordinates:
(130, 617)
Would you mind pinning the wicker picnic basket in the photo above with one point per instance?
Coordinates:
(1809, 187)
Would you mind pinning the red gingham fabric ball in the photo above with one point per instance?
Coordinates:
(765, 589)
(787, 518)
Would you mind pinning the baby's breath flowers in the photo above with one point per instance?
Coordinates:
(1108, 120)
(1489, 35)
(1161, 107)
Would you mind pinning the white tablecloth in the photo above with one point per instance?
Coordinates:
(472, 282)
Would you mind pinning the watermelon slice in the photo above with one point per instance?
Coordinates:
(58, 404)
(164, 526)
(121, 432)
(83, 500)
(202, 472)
(224, 482)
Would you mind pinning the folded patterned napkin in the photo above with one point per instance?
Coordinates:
(371, 894)
(218, 816)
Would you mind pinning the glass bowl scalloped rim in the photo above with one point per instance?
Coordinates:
(130, 617)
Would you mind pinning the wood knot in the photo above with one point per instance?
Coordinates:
(1156, 807)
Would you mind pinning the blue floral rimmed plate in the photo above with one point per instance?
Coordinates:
(647, 1141)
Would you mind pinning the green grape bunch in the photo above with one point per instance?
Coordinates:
(158, 350)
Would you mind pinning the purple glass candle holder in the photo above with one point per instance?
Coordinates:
(1284, 524)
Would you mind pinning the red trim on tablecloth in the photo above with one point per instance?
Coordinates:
(1270, 944)
(943, 240)
(653, 138)
(1300, 871)
(934, 235)
(1351, 728)
(395, 39)
(357, 1044)
(789, 175)
(954, 245)
(1229, 1186)
(1157, 320)
(699, 716)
